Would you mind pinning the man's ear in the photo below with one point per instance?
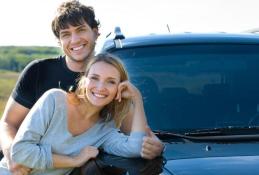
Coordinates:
(96, 31)
(58, 41)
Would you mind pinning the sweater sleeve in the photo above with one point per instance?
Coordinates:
(27, 148)
(122, 145)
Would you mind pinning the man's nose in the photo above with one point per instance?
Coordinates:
(75, 37)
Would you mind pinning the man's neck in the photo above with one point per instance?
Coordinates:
(76, 66)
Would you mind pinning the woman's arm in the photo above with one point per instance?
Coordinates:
(120, 144)
(60, 161)
(128, 90)
(152, 146)
(26, 149)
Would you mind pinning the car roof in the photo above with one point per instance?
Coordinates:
(185, 38)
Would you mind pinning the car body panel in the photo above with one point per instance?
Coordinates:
(187, 38)
(202, 150)
(236, 165)
(212, 158)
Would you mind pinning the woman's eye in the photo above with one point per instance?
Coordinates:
(111, 82)
(93, 78)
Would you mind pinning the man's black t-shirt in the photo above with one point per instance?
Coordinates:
(40, 76)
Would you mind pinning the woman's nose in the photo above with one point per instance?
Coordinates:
(100, 85)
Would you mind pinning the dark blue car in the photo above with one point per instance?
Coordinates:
(201, 95)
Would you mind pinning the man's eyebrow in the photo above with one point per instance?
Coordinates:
(77, 27)
(64, 31)
(81, 27)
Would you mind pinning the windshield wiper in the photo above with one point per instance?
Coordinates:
(230, 133)
(165, 135)
(168, 135)
(229, 130)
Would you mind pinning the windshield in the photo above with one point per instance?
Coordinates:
(196, 86)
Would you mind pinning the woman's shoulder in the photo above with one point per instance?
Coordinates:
(55, 93)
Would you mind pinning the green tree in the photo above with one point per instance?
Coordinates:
(15, 58)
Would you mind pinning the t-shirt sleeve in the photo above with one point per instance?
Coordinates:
(25, 90)
(27, 148)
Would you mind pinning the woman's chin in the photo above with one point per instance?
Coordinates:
(99, 103)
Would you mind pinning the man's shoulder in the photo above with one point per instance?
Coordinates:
(44, 62)
(54, 60)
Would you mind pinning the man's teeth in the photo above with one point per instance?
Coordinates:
(77, 48)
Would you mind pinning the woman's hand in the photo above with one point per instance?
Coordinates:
(86, 153)
(128, 91)
(152, 147)
(17, 169)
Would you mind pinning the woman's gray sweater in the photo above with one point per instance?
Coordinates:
(44, 131)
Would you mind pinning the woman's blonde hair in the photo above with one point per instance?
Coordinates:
(114, 110)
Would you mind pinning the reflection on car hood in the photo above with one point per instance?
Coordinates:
(212, 159)
(244, 165)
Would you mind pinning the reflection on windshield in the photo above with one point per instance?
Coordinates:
(197, 86)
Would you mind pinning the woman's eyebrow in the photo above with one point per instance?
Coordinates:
(110, 78)
(94, 75)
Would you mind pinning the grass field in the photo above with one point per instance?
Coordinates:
(7, 82)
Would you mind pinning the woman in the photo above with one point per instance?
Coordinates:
(63, 130)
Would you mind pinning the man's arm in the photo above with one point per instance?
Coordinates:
(11, 120)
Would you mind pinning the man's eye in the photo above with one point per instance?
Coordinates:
(82, 30)
(65, 35)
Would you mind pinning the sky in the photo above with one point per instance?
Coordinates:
(27, 22)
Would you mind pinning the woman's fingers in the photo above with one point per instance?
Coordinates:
(118, 96)
(126, 90)
(121, 87)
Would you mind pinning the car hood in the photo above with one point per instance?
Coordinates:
(212, 159)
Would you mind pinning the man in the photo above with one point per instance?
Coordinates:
(77, 31)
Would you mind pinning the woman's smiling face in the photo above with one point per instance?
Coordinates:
(102, 83)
